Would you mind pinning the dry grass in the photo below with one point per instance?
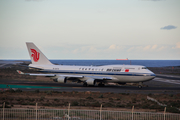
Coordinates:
(87, 100)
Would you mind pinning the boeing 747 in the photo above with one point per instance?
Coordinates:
(88, 75)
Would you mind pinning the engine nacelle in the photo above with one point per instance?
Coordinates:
(60, 80)
(91, 81)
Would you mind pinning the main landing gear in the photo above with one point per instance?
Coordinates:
(140, 85)
(101, 84)
(84, 84)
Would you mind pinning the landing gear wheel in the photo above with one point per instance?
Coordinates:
(101, 85)
(139, 86)
(85, 84)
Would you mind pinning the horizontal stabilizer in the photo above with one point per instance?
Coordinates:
(20, 72)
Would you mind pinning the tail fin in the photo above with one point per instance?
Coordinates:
(37, 57)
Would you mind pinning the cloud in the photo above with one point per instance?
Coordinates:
(113, 47)
(151, 48)
(92, 49)
(147, 47)
(75, 51)
(154, 47)
(178, 45)
(130, 49)
(169, 27)
(85, 49)
(161, 48)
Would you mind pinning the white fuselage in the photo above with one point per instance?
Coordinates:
(117, 73)
(89, 75)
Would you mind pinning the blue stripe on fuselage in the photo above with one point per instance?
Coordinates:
(99, 73)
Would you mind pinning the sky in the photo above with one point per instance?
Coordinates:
(91, 29)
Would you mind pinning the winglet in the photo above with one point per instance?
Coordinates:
(20, 72)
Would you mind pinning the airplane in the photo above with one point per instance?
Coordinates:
(88, 75)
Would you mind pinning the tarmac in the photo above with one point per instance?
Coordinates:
(163, 84)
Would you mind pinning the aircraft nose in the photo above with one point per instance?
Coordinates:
(153, 75)
(149, 76)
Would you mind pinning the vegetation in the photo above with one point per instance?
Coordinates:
(90, 99)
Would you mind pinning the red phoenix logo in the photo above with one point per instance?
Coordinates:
(35, 55)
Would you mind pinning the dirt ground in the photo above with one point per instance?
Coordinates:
(88, 100)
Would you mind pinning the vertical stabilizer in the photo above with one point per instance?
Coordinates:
(37, 57)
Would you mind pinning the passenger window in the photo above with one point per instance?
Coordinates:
(144, 68)
(109, 69)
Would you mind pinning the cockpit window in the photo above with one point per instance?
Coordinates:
(144, 68)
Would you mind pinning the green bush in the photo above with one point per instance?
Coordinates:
(96, 104)
(101, 96)
(111, 99)
(108, 104)
(172, 109)
(134, 100)
(42, 98)
(18, 90)
(49, 93)
(74, 103)
(89, 98)
(56, 99)
(37, 91)
(118, 99)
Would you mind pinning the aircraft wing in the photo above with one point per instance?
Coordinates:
(50, 75)
(33, 74)
(68, 76)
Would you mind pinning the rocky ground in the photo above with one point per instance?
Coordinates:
(89, 100)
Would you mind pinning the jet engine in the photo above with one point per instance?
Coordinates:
(60, 80)
(91, 81)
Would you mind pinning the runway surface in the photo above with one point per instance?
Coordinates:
(161, 84)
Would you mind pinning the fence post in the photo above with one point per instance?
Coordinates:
(132, 112)
(36, 111)
(3, 109)
(100, 111)
(68, 110)
(165, 113)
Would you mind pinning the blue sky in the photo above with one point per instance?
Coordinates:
(91, 29)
